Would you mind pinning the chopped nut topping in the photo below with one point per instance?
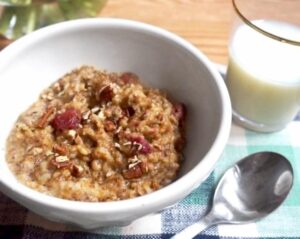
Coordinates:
(140, 146)
(135, 170)
(134, 159)
(77, 171)
(117, 145)
(72, 133)
(45, 117)
(86, 115)
(127, 143)
(133, 173)
(95, 109)
(109, 126)
(101, 115)
(60, 149)
(118, 129)
(133, 164)
(61, 159)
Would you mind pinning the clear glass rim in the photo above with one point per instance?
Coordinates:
(256, 28)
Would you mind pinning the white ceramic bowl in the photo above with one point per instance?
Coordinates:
(161, 59)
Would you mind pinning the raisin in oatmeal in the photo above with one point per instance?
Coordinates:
(98, 136)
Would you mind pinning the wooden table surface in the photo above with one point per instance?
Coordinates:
(204, 23)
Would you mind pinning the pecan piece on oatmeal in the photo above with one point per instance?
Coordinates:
(109, 126)
(60, 149)
(61, 162)
(77, 171)
(140, 144)
(42, 122)
(135, 170)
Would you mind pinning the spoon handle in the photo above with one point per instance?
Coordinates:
(194, 229)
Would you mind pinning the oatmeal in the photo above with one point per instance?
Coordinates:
(98, 136)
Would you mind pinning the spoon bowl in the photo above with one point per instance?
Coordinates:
(250, 190)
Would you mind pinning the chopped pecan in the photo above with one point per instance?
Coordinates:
(86, 115)
(132, 173)
(61, 162)
(110, 126)
(140, 144)
(135, 171)
(60, 149)
(77, 170)
(71, 134)
(144, 167)
(45, 117)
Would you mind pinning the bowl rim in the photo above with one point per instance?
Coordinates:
(172, 192)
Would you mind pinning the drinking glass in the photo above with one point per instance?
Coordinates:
(263, 74)
(19, 17)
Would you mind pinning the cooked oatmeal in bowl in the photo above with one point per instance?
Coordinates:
(163, 61)
(97, 136)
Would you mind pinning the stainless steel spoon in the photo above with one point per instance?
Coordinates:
(250, 190)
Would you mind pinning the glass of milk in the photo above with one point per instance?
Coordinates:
(263, 75)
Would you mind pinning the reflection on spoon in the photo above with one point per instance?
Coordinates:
(250, 190)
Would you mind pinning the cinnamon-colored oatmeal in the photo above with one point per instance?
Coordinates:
(98, 136)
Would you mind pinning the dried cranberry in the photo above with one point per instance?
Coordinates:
(179, 110)
(70, 119)
(141, 145)
(129, 78)
(106, 94)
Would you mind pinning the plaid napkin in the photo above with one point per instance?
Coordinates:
(18, 222)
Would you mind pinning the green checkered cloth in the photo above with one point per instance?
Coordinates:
(18, 222)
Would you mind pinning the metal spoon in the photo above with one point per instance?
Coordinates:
(250, 190)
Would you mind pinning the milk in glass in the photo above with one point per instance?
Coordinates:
(263, 76)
